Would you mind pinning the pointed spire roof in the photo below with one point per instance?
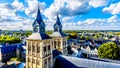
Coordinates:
(58, 26)
(39, 33)
(39, 19)
(58, 21)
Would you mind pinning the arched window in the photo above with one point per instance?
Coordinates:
(29, 48)
(38, 48)
(33, 48)
(59, 43)
(35, 29)
(49, 59)
(55, 42)
(45, 61)
(44, 48)
(38, 62)
(52, 42)
(33, 61)
(28, 59)
(49, 48)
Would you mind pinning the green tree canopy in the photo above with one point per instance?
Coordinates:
(9, 39)
(73, 35)
(109, 50)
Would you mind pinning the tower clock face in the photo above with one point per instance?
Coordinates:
(35, 29)
(56, 29)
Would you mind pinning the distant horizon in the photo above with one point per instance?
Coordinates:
(64, 30)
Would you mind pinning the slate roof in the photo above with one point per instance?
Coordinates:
(38, 36)
(39, 19)
(38, 22)
(9, 48)
(56, 53)
(9, 66)
(58, 34)
(73, 62)
(58, 23)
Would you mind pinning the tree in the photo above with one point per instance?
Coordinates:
(9, 39)
(73, 35)
(109, 50)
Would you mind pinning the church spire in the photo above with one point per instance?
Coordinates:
(58, 25)
(58, 28)
(39, 17)
(58, 21)
(38, 24)
(38, 28)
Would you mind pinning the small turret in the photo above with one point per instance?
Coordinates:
(58, 29)
(58, 25)
(38, 25)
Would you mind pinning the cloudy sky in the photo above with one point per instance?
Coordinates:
(74, 14)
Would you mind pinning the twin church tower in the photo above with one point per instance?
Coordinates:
(40, 46)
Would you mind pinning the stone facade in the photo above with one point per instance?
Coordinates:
(60, 44)
(39, 45)
(39, 54)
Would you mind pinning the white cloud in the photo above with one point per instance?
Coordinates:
(113, 8)
(113, 19)
(67, 19)
(10, 20)
(31, 10)
(7, 10)
(67, 7)
(94, 24)
(25, 24)
(90, 21)
(18, 5)
(98, 3)
(73, 7)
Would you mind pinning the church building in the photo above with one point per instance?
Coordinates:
(39, 46)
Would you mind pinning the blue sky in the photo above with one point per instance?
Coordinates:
(74, 14)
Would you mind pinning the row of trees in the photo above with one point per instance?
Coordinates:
(9, 39)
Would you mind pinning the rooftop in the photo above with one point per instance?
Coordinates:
(38, 36)
(73, 62)
(57, 34)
